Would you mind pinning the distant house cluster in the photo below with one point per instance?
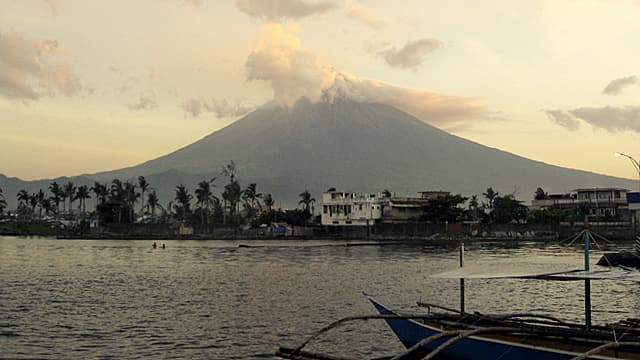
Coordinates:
(596, 203)
(361, 209)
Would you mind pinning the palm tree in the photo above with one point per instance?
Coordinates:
(490, 194)
(152, 202)
(204, 198)
(23, 197)
(56, 191)
(229, 170)
(144, 185)
(474, 207)
(251, 198)
(69, 191)
(184, 199)
(3, 202)
(82, 194)
(231, 195)
(40, 197)
(47, 205)
(306, 201)
(117, 196)
(268, 202)
(33, 202)
(130, 198)
(232, 191)
(101, 192)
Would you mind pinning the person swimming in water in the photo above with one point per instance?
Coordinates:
(154, 245)
(164, 246)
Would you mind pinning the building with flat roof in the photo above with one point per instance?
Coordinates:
(597, 203)
(351, 209)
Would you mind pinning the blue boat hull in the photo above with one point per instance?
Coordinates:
(410, 332)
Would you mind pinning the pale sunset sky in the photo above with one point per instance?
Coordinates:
(90, 85)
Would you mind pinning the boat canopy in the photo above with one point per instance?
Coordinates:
(501, 273)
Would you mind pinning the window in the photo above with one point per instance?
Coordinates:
(335, 222)
(348, 222)
(324, 209)
(360, 207)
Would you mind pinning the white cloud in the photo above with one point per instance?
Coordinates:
(280, 60)
(30, 69)
(563, 119)
(219, 108)
(430, 106)
(294, 72)
(616, 86)
(411, 55)
(611, 118)
(283, 9)
(364, 15)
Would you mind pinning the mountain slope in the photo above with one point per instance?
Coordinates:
(352, 146)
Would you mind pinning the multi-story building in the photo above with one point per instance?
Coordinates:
(597, 203)
(411, 208)
(345, 208)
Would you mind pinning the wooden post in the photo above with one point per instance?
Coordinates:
(587, 283)
(461, 279)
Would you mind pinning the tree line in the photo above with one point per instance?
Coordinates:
(131, 201)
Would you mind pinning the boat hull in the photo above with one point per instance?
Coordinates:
(411, 332)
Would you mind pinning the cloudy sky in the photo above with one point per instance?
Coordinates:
(87, 86)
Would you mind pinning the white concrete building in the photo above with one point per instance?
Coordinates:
(343, 208)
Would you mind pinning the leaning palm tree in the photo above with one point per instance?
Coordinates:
(306, 201)
(144, 185)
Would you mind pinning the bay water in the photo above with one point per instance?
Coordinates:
(220, 300)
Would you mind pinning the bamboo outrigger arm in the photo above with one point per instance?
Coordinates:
(607, 346)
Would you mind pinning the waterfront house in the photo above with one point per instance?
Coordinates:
(361, 209)
(352, 209)
(598, 204)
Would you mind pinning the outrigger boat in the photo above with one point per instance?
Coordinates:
(456, 334)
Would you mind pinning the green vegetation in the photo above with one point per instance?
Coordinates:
(129, 202)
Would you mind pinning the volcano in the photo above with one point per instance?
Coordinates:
(352, 146)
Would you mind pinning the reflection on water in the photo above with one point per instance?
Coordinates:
(213, 299)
